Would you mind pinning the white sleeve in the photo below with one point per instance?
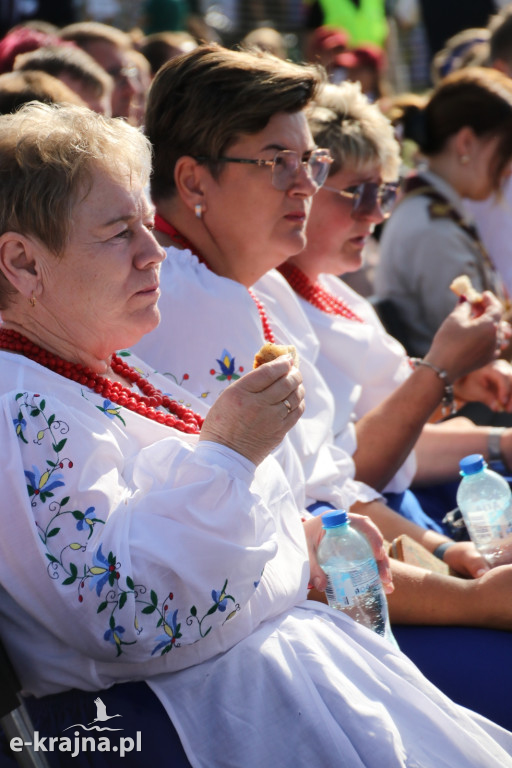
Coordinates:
(125, 557)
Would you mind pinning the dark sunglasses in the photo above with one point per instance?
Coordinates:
(367, 196)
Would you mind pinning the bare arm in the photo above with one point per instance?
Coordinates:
(462, 556)
(441, 446)
(422, 597)
(388, 433)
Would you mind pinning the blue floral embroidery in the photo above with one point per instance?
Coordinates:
(20, 424)
(221, 600)
(172, 633)
(104, 569)
(87, 520)
(114, 635)
(227, 367)
(42, 483)
(111, 410)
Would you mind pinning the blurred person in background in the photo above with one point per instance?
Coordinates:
(142, 80)
(76, 69)
(163, 46)
(445, 18)
(467, 48)
(266, 39)
(17, 88)
(464, 136)
(493, 216)
(365, 65)
(22, 40)
(324, 47)
(110, 48)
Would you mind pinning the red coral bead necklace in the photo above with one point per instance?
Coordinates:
(148, 404)
(162, 225)
(315, 294)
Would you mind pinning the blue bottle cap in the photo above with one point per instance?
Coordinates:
(472, 464)
(334, 518)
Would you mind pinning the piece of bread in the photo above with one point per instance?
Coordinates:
(461, 286)
(270, 351)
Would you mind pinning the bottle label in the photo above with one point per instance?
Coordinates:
(344, 587)
(487, 525)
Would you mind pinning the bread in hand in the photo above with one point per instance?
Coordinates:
(462, 286)
(270, 351)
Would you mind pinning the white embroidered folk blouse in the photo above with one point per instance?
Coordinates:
(209, 332)
(360, 362)
(131, 551)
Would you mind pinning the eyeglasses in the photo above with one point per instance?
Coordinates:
(367, 196)
(286, 165)
(123, 73)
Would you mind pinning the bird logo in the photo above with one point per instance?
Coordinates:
(101, 712)
(101, 717)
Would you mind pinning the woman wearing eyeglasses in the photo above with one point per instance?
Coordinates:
(223, 225)
(232, 196)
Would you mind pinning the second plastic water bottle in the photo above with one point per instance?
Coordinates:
(484, 498)
(353, 582)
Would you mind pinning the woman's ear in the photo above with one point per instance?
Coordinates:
(464, 144)
(18, 263)
(189, 177)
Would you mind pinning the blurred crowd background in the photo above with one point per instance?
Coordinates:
(389, 45)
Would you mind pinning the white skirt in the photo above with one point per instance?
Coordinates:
(313, 688)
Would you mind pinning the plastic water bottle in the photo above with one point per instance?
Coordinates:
(353, 581)
(484, 498)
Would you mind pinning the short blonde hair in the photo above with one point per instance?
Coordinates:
(48, 154)
(355, 131)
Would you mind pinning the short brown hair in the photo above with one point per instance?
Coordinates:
(161, 47)
(202, 101)
(48, 154)
(84, 32)
(17, 88)
(76, 63)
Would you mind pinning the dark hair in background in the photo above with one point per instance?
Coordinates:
(475, 97)
(500, 41)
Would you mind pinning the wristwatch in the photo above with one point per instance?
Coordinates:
(495, 456)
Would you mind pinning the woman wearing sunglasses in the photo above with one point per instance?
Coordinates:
(365, 366)
(361, 363)
(464, 134)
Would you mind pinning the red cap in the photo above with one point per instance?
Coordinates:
(327, 38)
(23, 40)
(365, 56)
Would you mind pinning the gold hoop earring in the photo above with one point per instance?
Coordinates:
(32, 301)
(198, 210)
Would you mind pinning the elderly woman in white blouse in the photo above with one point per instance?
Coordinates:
(141, 543)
